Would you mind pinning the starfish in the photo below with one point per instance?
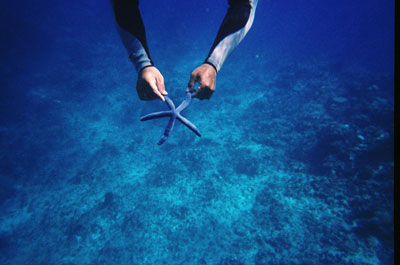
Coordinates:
(173, 113)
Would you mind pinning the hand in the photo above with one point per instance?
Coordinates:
(206, 76)
(150, 84)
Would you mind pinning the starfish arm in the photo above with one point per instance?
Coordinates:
(167, 131)
(170, 103)
(162, 140)
(188, 124)
(155, 115)
(184, 103)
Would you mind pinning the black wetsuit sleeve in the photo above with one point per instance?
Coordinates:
(234, 27)
(132, 32)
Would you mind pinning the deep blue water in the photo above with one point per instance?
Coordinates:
(295, 162)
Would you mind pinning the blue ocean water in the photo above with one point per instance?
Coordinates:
(295, 162)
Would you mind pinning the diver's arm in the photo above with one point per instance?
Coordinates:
(132, 32)
(150, 82)
(234, 27)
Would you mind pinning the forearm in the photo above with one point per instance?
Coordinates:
(132, 32)
(233, 29)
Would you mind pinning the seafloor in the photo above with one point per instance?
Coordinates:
(294, 166)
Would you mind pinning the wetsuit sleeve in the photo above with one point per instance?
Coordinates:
(132, 32)
(234, 27)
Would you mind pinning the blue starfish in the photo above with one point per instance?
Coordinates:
(173, 113)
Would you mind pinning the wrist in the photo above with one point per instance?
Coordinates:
(144, 67)
(140, 63)
(212, 66)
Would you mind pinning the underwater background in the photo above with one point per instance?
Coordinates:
(295, 162)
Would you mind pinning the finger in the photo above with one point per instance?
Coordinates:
(149, 95)
(146, 95)
(209, 94)
(161, 86)
(155, 90)
(145, 92)
(141, 92)
(198, 93)
(191, 90)
(193, 80)
(203, 93)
